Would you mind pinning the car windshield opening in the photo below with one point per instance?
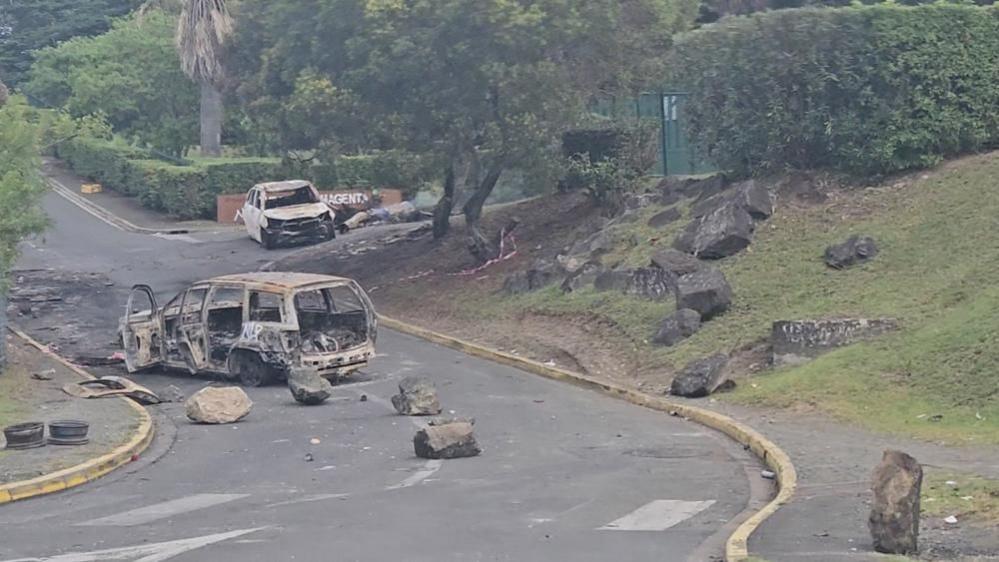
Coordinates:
(331, 319)
(300, 196)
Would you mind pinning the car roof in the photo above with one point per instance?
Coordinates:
(277, 280)
(278, 186)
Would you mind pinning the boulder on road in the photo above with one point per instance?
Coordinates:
(894, 519)
(700, 378)
(677, 327)
(218, 404)
(446, 441)
(308, 387)
(857, 249)
(706, 291)
(417, 397)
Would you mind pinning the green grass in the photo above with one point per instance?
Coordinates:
(11, 409)
(966, 497)
(937, 273)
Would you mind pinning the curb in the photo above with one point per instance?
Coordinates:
(114, 220)
(736, 547)
(86, 471)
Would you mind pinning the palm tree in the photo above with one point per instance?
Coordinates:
(202, 31)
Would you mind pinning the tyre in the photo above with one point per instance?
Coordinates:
(252, 371)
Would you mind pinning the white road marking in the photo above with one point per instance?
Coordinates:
(307, 499)
(429, 469)
(155, 552)
(657, 515)
(163, 510)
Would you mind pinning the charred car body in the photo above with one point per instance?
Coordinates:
(253, 327)
(282, 212)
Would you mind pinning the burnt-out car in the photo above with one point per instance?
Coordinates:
(253, 327)
(287, 212)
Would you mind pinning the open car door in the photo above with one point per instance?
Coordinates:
(141, 330)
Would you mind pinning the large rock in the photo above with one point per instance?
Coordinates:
(677, 327)
(676, 262)
(664, 218)
(706, 291)
(218, 404)
(755, 198)
(700, 378)
(613, 280)
(721, 233)
(582, 277)
(857, 249)
(796, 341)
(308, 388)
(652, 283)
(894, 520)
(417, 397)
(538, 276)
(447, 441)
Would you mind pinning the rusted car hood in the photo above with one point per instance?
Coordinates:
(308, 210)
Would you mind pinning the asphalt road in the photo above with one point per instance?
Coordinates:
(566, 474)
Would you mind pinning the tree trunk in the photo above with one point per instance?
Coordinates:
(211, 120)
(481, 247)
(442, 212)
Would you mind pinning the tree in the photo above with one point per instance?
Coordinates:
(481, 85)
(130, 75)
(202, 31)
(29, 25)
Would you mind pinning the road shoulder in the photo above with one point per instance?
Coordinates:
(119, 428)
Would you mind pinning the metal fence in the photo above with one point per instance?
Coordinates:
(677, 157)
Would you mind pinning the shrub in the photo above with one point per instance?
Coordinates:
(866, 90)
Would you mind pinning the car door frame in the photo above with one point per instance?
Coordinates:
(144, 331)
(252, 214)
(194, 334)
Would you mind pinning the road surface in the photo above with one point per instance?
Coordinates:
(566, 474)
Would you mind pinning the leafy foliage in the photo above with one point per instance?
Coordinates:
(21, 185)
(131, 75)
(865, 90)
(29, 25)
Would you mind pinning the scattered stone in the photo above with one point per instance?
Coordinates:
(677, 327)
(583, 277)
(537, 277)
(172, 393)
(894, 520)
(448, 441)
(45, 375)
(308, 388)
(417, 397)
(664, 218)
(218, 404)
(796, 341)
(755, 198)
(950, 520)
(700, 378)
(364, 398)
(707, 292)
(857, 249)
(651, 283)
(309, 457)
(768, 474)
(721, 233)
(676, 262)
(315, 441)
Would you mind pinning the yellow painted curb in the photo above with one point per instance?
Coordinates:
(736, 547)
(87, 471)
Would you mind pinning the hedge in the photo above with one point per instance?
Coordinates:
(865, 90)
(189, 191)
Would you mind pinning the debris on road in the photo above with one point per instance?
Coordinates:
(218, 404)
(364, 398)
(417, 397)
(768, 474)
(950, 520)
(309, 457)
(308, 388)
(45, 375)
(26, 435)
(68, 432)
(894, 519)
(315, 441)
(448, 441)
(112, 386)
(172, 393)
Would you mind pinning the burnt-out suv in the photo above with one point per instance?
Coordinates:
(253, 327)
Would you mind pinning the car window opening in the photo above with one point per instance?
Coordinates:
(225, 322)
(265, 307)
(300, 196)
(330, 319)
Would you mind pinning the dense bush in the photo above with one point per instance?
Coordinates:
(866, 90)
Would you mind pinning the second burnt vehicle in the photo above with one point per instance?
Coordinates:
(284, 212)
(253, 327)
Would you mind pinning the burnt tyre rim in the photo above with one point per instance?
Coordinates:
(68, 432)
(25, 435)
(253, 371)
